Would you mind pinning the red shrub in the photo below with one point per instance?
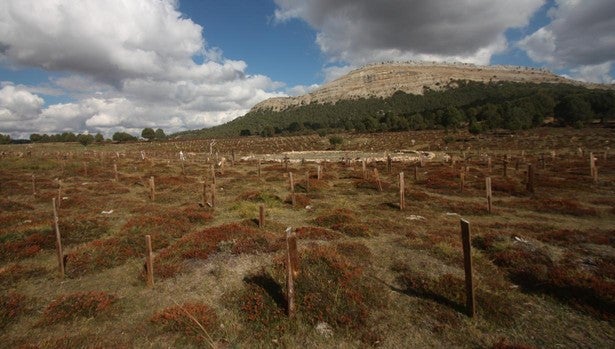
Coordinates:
(197, 321)
(11, 306)
(78, 304)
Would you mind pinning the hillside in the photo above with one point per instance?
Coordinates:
(383, 80)
(399, 97)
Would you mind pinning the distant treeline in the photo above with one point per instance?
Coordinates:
(475, 105)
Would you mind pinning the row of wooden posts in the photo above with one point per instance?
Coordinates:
(291, 243)
(292, 260)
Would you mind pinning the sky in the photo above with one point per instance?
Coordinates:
(109, 66)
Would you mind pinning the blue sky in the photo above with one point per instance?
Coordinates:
(108, 66)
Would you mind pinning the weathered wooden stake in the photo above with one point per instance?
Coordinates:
(59, 193)
(489, 165)
(58, 238)
(149, 261)
(592, 167)
(319, 172)
(152, 188)
(259, 168)
(402, 185)
(505, 168)
(261, 216)
(467, 263)
(462, 180)
(377, 176)
(292, 188)
(364, 168)
(203, 192)
(530, 178)
(290, 286)
(213, 195)
(389, 163)
(488, 192)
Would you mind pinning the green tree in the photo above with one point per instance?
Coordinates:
(85, 140)
(574, 110)
(160, 134)
(99, 138)
(5, 139)
(148, 133)
(245, 132)
(35, 137)
(123, 137)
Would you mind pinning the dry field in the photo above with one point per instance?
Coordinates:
(370, 273)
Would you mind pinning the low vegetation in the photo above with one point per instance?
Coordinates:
(369, 273)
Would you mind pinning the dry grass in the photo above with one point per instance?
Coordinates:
(370, 274)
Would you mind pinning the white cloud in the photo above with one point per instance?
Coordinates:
(17, 104)
(128, 65)
(299, 90)
(362, 31)
(580, 37)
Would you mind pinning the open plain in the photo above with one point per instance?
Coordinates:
(369, 272)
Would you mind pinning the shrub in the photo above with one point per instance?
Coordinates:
(79, 304)
(316, 233)
(329, 288)
(195, 321)
(234, 238)
(11, 306)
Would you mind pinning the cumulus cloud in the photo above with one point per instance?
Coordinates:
(127, 65)
(580, 37)
(18, 104)
(364, 31)
(580, 33)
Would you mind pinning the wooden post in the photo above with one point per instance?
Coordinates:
(402, 201)
(115, 172)
(149, 261)
(307, 181)
(416, 173)
(59, 193)
(152, 188)
(489, 165)
(488, 192)
(378, 179)
(592, 167)
(203, 193)
(389, 163)
(286, 163)
(261, 216)
(319, 172)
(462, 180)
(543, 163)
(33, 185)
(364, 168)
(292, 188)
(58, 238)
(259, 168)
(467, 263)
(290, 286)
(530, 178)
(505, 168)
(233, 157)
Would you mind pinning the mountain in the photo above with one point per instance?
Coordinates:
(383, 80)
(413, 96)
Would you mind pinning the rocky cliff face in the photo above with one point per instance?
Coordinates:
(382, 80)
